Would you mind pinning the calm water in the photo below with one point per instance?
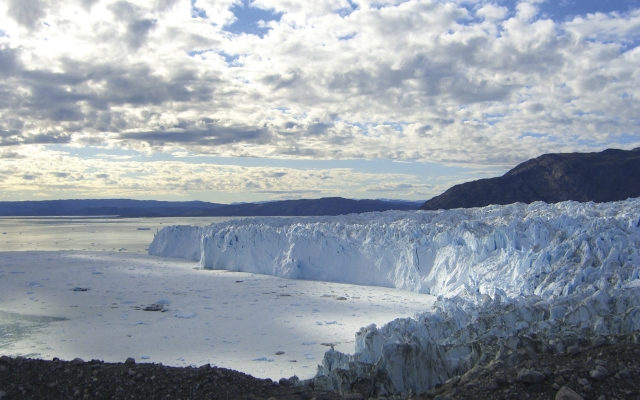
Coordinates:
(94, 234)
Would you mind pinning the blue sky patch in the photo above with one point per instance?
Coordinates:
(628, 139)
(229, 58)
(345, 12)
(347, 37)
(534, 135)
(197, 12)
(559, 10)
(568, 9)
(194, 53)
(250, 19)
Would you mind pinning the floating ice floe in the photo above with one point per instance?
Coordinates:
(263, 359)
(186, 315)
(511, 280)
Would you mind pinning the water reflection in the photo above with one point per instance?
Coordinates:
(15, 327)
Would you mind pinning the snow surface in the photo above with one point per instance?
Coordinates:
(562, 272)
(227, 319)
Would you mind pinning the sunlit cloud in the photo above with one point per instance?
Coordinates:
(58, 172)
(477, 84)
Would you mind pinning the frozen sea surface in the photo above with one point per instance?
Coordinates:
(91, 305)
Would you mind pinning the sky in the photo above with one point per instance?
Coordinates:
(240, 100)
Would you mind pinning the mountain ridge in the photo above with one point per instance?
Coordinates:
(609, 175)
(127, 208)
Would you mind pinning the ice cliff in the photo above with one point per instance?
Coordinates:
(549, 250)
(512, 280)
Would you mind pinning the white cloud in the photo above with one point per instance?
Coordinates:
(412, 80)
(491, 12)
(58, 172)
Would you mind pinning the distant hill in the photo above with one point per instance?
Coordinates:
(152, 208)
(94, 207)
(599, 177)
(324, 206)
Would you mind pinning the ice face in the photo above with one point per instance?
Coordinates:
(177, 241)
(503, 273)
(550, 250)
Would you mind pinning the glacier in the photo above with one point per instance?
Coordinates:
(511, 281)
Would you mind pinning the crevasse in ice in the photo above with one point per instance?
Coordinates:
(563, 271)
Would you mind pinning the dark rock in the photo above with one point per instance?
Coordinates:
(77, 361)
(566, 393)
(599, 373)
(529, 376)
(573, 350)
(624, 374)
(501, 382)
(560, 380)
(599, 342)
(493, 385)
(285, 382)
(447, 385)
(154, 307)
(130, 361)
(610, 175)
(471, 386)
(536, 388)
(364, 386)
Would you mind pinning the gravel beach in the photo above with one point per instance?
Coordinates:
(565, 376)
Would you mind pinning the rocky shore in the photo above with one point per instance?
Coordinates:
(605, 370)
(23, 378)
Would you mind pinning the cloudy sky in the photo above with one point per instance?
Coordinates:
(237, 100)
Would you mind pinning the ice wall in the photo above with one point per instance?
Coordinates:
(179, 241)
(459, 335)
(544, 249)
(512, 281)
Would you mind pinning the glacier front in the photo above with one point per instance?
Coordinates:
(560, 272)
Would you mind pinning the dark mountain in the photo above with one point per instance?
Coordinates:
(120, 207)
(324, 206)
(599, 177)
(153, 208)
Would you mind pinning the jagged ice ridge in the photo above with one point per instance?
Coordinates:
(559, 273)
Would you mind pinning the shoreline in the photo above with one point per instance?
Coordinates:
(550, 375)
